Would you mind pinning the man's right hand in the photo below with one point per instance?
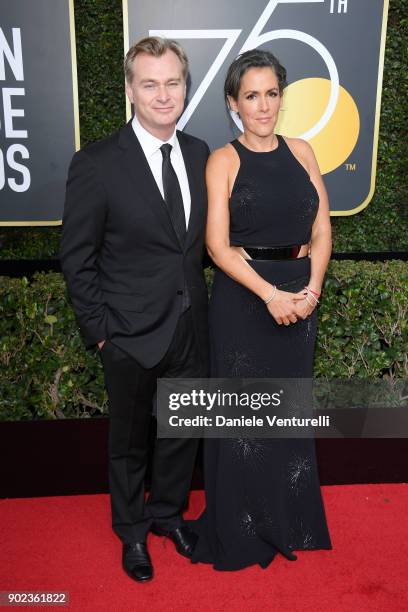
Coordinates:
(100, 344)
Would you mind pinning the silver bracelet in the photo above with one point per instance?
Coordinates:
(310, 294)
(271, 297)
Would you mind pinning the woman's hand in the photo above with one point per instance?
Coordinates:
(285, 306)
(305, 308)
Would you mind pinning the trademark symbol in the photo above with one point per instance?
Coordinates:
(350, 167)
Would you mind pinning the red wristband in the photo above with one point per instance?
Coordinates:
(314, 292)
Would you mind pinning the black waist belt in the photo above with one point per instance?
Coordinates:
(286, 252)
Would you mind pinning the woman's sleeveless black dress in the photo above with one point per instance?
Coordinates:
(262, 496)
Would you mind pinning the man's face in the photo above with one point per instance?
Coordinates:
(157, 91)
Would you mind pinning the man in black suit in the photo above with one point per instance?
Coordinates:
(131, 252)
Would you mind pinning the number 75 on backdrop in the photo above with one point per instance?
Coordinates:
(333, 51)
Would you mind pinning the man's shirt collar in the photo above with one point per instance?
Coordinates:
(149, 143)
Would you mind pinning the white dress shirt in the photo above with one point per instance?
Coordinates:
(151, 148)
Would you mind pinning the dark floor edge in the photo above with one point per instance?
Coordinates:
(69, 457)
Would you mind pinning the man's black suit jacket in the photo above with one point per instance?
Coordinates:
(121, 258)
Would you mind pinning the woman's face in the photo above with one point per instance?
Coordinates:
(258, 101)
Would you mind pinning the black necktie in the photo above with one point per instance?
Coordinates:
(172, 194)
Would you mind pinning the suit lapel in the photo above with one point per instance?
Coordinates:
(193, 183)
(138, 170)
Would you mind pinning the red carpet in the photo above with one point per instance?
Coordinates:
(66, 544)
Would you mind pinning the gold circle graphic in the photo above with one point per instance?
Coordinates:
(303, 104)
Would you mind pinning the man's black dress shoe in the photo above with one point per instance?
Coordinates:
(136, 561)
(183, 538)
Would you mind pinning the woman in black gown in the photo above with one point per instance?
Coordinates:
(268, 233)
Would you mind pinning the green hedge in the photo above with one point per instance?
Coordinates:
(45, 373)
(382, 226)
(363, 330)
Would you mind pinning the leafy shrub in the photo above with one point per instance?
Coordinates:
(45, 373)
(363, 330)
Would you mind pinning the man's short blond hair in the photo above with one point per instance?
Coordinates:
(155, 46)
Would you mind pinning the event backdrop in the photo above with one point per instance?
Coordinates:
(333, 51)
(39, 127)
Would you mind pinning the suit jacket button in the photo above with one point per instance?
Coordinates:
(179, 292)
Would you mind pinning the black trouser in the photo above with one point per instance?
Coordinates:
(131, 389)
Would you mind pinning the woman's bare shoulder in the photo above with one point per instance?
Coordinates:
(302, 150)
(223, 158)
(300, 147)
